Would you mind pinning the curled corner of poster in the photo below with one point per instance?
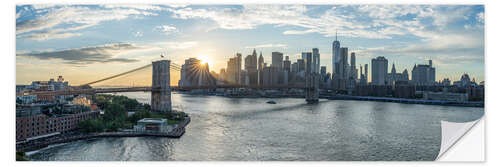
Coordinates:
(452, 132)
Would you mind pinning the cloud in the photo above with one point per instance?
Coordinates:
(166, 29)
(362, 21)
(133, 6)
(268, 46)
(88, 55)
(176, 45)
(480, 17)
(42, 36)
(138, 34)
(58, 21)
(446, 48)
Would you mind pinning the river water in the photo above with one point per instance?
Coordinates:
(250, 129)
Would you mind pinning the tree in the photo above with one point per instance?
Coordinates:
(91, 125)
(139, 115)
(114, 112)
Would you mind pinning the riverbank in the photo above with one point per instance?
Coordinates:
(360, 98)
(408, 101)
(177, 132)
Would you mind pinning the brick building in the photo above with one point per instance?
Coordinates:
(38, 124)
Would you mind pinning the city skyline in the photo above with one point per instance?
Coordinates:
(86, 48)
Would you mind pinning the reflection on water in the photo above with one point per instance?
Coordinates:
(250, 129)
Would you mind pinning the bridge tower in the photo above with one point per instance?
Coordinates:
(160, 89)
(312, 80)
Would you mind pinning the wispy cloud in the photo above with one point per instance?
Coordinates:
(363, 21)
(59, 21)
(446, 48)
(267, 46)
(88, 55)
(166, 29)
(176, 45)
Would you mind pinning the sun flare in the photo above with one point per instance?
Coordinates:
(205, 59)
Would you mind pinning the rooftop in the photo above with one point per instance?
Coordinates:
(153, 120)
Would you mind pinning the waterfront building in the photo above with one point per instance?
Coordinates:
(295, 67)
(445, 96)
(336, 57)
(32, 123)
(464, 80)
(82, 100)
(379, 71)
(446, 82)
(50, 85)
(362, 77)
(193, 73)
(286, 64)
(343, 66)
(251, 68)
(394, 76)
(352, 74)
(234, 69)
(315, 60)
(403, 89)
(366, 72)
(260, 67)
(277, 60)
(423, 74)
(222, 74)
(26, 99)
(301, 65)
(354, 71)
(153, 125)
(270, 76)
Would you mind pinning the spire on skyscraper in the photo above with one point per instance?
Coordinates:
(335, 35)
(393, 70)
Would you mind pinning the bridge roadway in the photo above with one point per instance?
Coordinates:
(148, 89)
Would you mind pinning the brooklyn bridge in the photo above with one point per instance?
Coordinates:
(161, 87)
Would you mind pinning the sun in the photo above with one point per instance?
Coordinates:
(204, 59)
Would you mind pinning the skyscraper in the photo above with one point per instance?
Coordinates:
(362, 77)
(251, 68)
(260, 68)
(251, 61)
(354, 71)
(379, 71)
(343, 65)
(195, 74)
(335, 56)
(277, 60)
(234, 69)
(394, 76)
(286, 64)
(315, 60)
(423, 74)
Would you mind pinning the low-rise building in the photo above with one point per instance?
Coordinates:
(26, 99)
(153, 125)
(445, 96)
(33, 123)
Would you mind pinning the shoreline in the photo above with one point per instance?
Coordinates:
(408, 101)
(479, 104)
(34, 147)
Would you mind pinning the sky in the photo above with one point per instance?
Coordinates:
(84, 43)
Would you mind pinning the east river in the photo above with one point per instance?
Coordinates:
(250, 129)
